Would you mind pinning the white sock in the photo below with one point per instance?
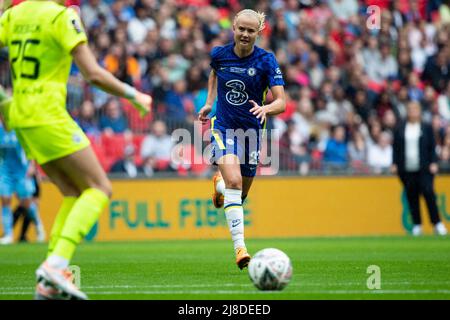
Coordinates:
(220, 186)
(235, 216)
(57, 262)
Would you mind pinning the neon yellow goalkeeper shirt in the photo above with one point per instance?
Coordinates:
(40, 36)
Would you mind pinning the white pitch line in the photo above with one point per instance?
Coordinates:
(226, 292)
(221, 285)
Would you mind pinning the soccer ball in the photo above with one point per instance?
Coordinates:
(270, 269)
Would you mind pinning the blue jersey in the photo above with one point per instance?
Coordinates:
(240, 80)
(12, 157)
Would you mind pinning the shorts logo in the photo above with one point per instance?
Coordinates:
(237, 95)
(251, 72)
(278, 71)
(230, 141)
(76, 138)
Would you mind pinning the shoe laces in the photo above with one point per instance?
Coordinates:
(68, 275)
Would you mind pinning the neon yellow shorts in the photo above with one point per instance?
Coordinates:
(50, 142)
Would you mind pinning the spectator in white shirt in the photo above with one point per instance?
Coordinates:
(379, 155)
(156, 150)
(343, 9)
(139, 26)
(416, 163)
(444, 104)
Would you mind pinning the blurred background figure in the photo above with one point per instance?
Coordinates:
(113, 120)
(21, 213)
(335, 156)
(338, 72)
(156, 150)
(15, 179)
(127, 164)
(379, 155)
(416, 163)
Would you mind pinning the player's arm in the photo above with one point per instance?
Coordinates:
(212, 94)
(277, 106)
(98, 76)
(212, 88)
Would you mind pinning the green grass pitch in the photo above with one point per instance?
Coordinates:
(324, 268)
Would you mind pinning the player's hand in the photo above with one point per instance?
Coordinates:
(203, 113)
(143, 103)
(434, 168)
(258, 111)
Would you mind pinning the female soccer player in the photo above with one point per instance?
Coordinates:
(241, 75)
(43, 37)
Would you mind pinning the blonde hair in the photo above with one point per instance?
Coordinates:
(261, 16)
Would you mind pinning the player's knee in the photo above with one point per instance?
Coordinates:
(234, 183)
(69, 191)
(106, 187)
(103, 185)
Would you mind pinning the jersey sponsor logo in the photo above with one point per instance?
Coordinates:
(237, 95)
(237, 70)
(278, 74)
(251, 72)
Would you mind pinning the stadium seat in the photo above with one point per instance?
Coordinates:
(135, 121)
(137, 142)
(113, 147)
(99, 151)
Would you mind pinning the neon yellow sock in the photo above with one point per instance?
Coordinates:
(58, 224)
(81, 219)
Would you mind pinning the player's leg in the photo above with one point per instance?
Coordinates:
(6, 192)
(83, 170)
(33, 216)
(18, 214)
(218, 190)
(246, 185)
(427, 189)
(219, 187)
(229, 167)
(25, 189)
(64, 153)
(412, 188)
(70, 194)
(7, 220)
(45, 289)
(21, 212)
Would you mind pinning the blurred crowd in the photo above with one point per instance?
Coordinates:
(349, 73)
